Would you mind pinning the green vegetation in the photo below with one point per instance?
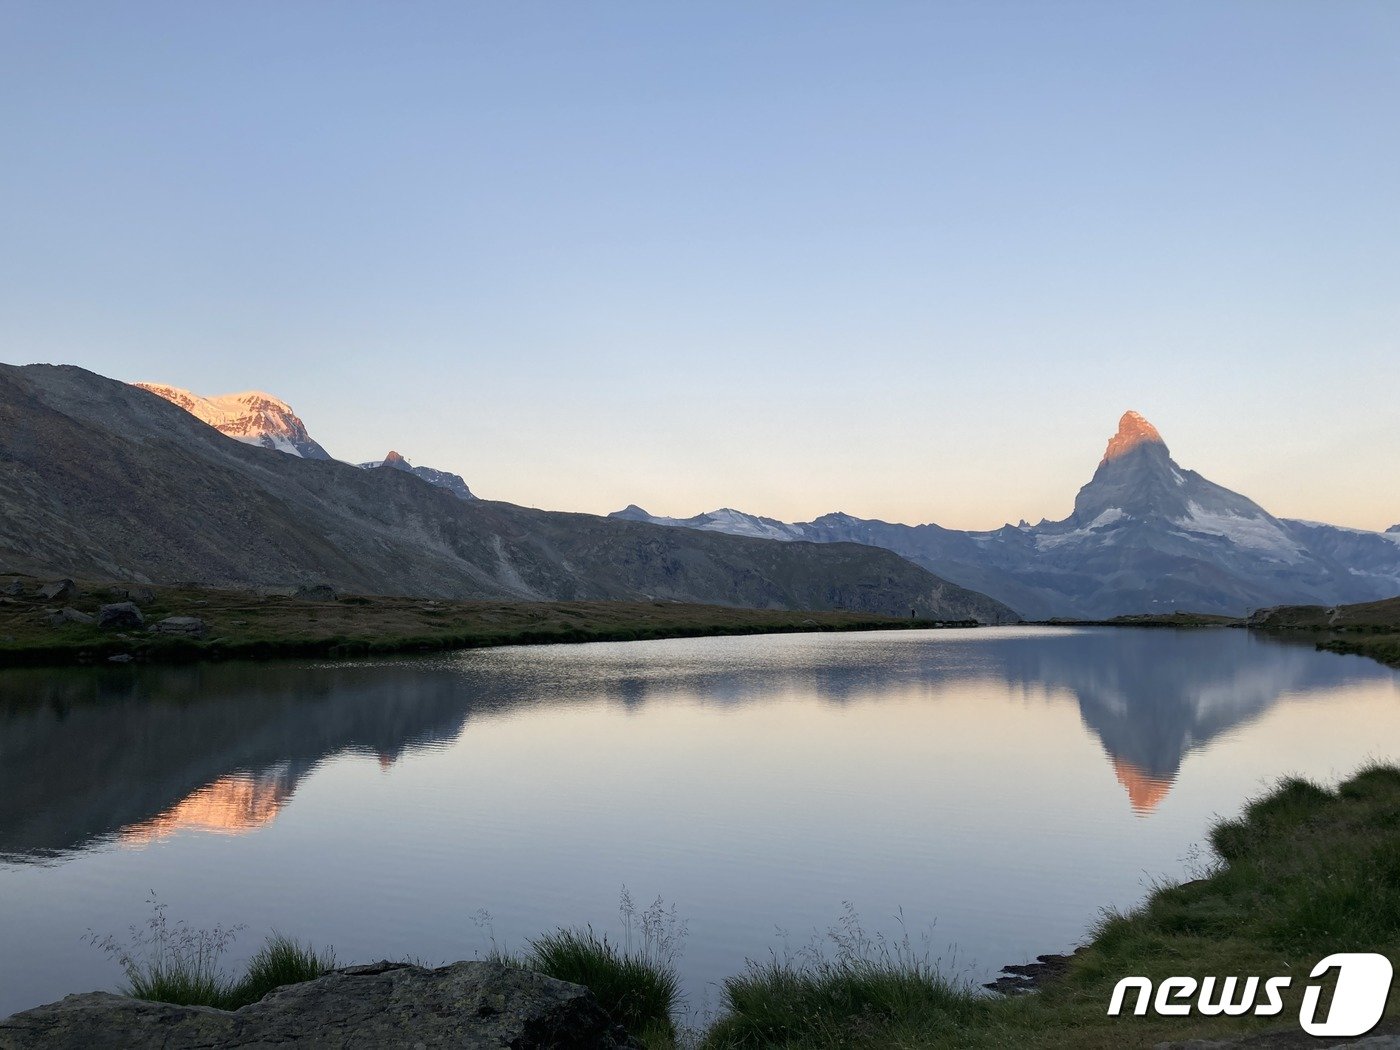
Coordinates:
(1384, 648)
(280, 961)
(1367, 629)
(246, 625)
(1171, 619)
(1303, 873)
(638, 992)
(635, 981)
(176, 963)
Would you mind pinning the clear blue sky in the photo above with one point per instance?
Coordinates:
(904, 260)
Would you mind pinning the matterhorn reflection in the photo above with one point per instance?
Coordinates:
(147, 752)
(1150, 705)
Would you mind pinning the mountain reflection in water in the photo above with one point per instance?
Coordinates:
(136, 754)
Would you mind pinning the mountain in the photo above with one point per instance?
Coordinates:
(253, 417)
(261, 419)
(1145, 536)
(453, 483)
(102, 479)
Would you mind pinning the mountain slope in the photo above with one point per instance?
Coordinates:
(1145, 536)
(254, 417)
(100, 478)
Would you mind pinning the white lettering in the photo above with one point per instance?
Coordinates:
(1182, 987)
(1363, 985)
(1273, 989)
(1120, 992)
(1226, 1004)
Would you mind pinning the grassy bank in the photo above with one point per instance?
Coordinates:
(1301, 873)
(1366, 629)
(247, 625)
(1369, 629)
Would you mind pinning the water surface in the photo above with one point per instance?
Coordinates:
(997, 786)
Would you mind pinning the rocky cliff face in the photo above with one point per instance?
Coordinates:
(101, 479)
(1145, 536)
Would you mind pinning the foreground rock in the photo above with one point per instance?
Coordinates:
(180, 627)
(467, 1004)
(120, 616)
(59, 590)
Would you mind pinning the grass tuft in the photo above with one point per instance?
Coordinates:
(279, 962)
(172, 962)
(638, 993)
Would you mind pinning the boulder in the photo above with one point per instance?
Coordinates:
(67, 616)
(12, 588)
(180, 627)
(58, 591)
(466, 1004)
(119, 616)
(139, 595)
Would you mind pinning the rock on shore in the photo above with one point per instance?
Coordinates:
(466, 1004)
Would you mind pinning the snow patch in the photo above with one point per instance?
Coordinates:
(1258, 534)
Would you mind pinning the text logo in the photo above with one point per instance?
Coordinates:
(1363, 985)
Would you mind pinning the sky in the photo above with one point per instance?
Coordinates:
(908, 261)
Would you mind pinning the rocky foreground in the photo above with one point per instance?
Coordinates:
(466, 1004)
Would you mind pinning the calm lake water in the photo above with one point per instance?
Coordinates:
(999, 786)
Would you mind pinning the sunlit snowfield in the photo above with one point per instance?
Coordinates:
(999, 786)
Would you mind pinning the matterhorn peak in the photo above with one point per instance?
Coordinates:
(1133, 430)
(394, 458)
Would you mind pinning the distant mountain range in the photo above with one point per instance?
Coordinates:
(107, 480)
(1145, 536)
(261, 419)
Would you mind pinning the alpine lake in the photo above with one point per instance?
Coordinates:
(985, 792)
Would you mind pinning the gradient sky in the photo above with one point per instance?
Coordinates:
(904, 260)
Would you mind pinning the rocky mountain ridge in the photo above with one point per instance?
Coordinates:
(1145, 536)
(109, 481)
(453, 483)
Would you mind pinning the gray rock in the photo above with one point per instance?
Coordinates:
(139, 595)
(58, 590)
(120, 658)
(180, 627)
(120, 616)
(466, 1004)
(12, 588)
(69, 615)
(319, 592)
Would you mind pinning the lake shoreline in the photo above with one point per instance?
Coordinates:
(187, 624)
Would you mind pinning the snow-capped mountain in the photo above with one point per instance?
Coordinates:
(253, 416)
(726, 519)
(261, 419)
(453, 483)
(1145, 536)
